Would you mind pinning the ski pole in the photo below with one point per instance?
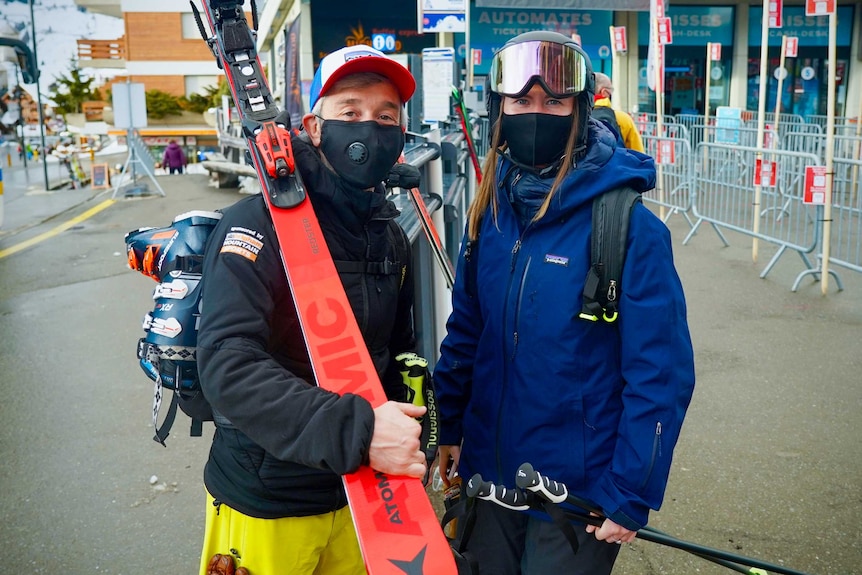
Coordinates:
(556, 492)
(402, 176)
(465, 127)
(517, 500)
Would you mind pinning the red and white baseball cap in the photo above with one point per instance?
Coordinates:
(360, 58)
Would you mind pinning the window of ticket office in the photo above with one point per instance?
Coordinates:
(805, 84)
(804, 87)
(686, 59)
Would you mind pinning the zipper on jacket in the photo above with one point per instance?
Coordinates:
(656, 452)
(518, 301)
(515, 249)
(364, 280)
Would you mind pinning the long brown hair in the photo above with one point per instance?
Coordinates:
(486, 194)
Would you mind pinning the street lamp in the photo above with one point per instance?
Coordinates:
(39, 99)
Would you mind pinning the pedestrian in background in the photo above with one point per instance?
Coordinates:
(625, 126)
(174, 158)
(521, 377)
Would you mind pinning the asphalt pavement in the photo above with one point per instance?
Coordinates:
(769, 464)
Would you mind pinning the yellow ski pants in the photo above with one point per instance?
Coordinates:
(316, 545)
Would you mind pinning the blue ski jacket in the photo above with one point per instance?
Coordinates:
(522, 379)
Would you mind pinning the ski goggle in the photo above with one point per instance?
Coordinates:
(561, 69)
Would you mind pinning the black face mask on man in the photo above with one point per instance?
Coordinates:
(536, 139)
(361, 153)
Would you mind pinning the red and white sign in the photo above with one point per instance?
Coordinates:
(819, 7)
(715, 51)
(775, 9)
(791, 47)
(815, 185)
(665, 35)
(665, 153)
(657, 8)
(619, 39)
(765, 173)
(477, 56)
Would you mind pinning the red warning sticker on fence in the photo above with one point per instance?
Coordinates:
(815, 185)
(765, 173)
(665, 152)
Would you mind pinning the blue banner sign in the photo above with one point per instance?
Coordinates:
(490, 28)
(811, 30)
(693, 25)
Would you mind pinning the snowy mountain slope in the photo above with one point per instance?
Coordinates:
(59, 23)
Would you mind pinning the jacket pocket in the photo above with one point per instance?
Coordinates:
(656, 453)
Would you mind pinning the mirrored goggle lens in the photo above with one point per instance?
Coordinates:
(562, 68)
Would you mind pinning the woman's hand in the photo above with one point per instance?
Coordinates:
(611, 532)
(447, 460)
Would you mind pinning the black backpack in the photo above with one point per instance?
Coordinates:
(173, 256)
(607, 115)
(610, 231)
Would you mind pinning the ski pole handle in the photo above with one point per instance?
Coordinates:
(531, 480)
(513, 499)
(528, 478)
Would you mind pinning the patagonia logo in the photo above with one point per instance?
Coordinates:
(556, 260)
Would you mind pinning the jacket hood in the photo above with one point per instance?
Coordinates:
(605, 166)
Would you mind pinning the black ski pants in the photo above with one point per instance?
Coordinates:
(505, 542)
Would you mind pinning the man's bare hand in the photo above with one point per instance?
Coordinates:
(395, 443)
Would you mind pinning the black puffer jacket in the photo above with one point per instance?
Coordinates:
(289, 440)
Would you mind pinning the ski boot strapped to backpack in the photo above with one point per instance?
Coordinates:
(173, 256)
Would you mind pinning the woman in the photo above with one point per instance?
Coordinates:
(521, 377)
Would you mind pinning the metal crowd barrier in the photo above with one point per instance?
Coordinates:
(724, 197)
(844, 147)
(846, 229)
(673, 190)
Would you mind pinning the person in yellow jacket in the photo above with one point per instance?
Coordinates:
(628, 131)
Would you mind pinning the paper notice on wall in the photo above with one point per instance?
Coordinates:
(438, 77)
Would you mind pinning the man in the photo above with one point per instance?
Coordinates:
(275, 499)
(626, 126)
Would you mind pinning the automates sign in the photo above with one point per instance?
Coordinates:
(490, 28)
(811, 30)
(693, 25)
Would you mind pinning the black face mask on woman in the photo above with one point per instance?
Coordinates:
(536, 139)
(361, 153)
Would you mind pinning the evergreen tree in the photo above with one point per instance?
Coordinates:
(71, 90)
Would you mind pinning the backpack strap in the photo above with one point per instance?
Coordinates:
(610, 231)
(151, 356)
(387, 266)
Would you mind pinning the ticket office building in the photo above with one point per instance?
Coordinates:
(734, 79)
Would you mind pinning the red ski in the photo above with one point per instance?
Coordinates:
(397, 527)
